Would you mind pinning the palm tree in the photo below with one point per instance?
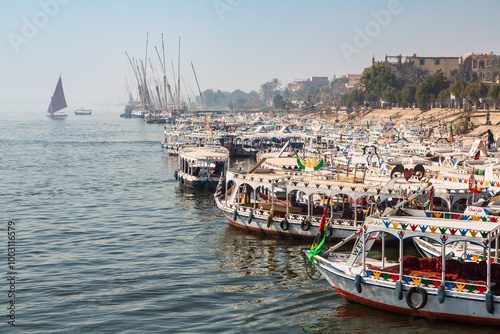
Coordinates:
(414, 75)
(276, 83)
(266, 91)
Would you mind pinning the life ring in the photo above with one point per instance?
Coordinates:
(284, 224)
(305, 225)
(410, 302)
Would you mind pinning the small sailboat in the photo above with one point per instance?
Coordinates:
(57, 102)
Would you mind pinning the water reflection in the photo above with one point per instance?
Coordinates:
(355, 318)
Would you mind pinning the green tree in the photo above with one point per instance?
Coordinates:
(422, 95)
(266, 91)
(389, 95)
(463, 73)
(476, 91)
(415, 74)
(493, 69)
(430, 88)
(457, 89)
(353, 99)
(376, 78)
(408, 95)
(444, 96)
(494, 93)
(279, 102)
(437, 83)
(276, 84)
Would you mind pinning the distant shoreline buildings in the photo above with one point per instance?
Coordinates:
(477, 62)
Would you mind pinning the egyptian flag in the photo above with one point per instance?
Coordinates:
(471, 184)
(319, 241)
(430, 204)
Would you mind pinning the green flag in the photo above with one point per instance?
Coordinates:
(317, 249)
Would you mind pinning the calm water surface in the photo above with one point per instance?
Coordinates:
(108, 242)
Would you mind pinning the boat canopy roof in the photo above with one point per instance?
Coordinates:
(443, 231)
(207, 152)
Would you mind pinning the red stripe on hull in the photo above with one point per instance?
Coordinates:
(419, 313)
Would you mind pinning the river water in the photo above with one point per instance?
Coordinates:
(106, 241)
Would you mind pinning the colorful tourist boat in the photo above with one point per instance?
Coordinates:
(455, 291)
(290, 202)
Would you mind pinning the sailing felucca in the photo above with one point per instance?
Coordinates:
(57, 102)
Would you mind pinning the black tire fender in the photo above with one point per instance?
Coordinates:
(305, 225)
(284, 224)
(410, 302)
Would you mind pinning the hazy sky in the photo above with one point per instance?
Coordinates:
(234, 44)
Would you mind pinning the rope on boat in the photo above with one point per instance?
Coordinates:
(307, 271)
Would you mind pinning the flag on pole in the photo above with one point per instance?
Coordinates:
(220, 186)
(471, 184)
(430, 204)
(451, 132)
(319, 241)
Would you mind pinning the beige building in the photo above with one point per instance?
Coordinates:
(478, 63)
(433, 64)
(307, 83)
(353, 80)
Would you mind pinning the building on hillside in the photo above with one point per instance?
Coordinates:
(317, 82)
(433, 64)
(478, 62)
(354, 80)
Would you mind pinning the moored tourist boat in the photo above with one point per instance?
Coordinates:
(455, 291)
(290, 203)
(201, 167)
(83, 111)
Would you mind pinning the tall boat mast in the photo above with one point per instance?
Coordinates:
(179, 74)
(199, 90)
(164, 71)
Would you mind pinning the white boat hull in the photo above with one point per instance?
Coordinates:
(340, 229)
(379, 293)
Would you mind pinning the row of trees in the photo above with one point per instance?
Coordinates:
(379, 85)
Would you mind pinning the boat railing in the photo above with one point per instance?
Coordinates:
(462, 286)
(265, 212)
